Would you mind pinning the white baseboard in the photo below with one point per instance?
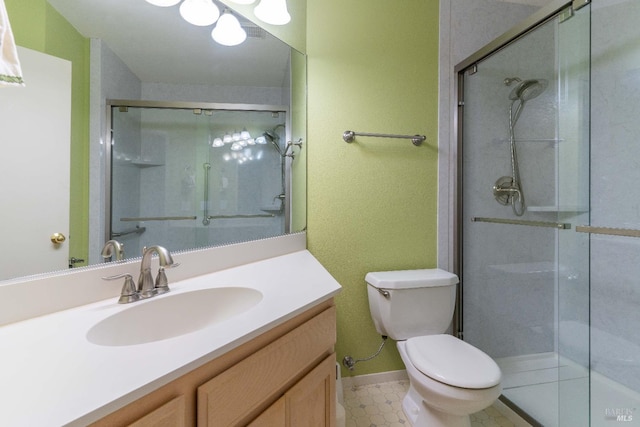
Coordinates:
(381, 377)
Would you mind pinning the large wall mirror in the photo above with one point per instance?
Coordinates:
(147, 82)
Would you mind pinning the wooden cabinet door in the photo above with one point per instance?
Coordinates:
(275, 416)
(238, 394)
(312, 401)
(171, 414)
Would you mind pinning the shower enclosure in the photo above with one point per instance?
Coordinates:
(187, 175)
(549, 212)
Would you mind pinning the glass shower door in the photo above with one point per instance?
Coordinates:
(524, 185)
(189, 178)
(615, 213)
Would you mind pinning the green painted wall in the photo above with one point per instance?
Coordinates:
(38, 26)
(372, 67)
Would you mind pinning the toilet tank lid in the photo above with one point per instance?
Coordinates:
(407, 279)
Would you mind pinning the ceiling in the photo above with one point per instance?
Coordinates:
(159, 46)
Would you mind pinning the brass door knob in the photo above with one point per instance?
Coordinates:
(57, 238)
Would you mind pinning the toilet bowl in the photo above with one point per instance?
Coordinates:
(449, 379)
(436, 402)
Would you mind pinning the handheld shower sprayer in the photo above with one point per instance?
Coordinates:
(508, 189)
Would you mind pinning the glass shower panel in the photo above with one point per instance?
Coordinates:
(615, 208)
(573, 207)
(190, 178)
(522, 187)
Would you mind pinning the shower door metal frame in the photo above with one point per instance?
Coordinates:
(179, 105)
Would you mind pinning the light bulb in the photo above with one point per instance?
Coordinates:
(245, 134)
(227, 138)
(217, 142)
(261, 140)
(199, 12)
(236, 147)
(273, 12)
(236, 136)
(228, 31)
(164, 3)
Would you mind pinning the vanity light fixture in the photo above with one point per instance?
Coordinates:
(273, 12)
(228, 31)
(199, 12)
(164, 3)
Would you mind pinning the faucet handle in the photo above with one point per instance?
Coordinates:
(162, 283)
(129, 292)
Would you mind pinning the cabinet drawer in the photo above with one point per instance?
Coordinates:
(242, 391)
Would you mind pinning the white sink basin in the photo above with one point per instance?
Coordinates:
(172, 315)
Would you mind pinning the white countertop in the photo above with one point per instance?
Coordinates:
(51, 375)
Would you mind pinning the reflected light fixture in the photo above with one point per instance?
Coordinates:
(199, 12)
(242, 1)
(164, 3)
(273, 12)
(228, 31)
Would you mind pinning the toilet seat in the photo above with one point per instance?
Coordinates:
(451, 361)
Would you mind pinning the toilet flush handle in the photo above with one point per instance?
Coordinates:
(385, 293)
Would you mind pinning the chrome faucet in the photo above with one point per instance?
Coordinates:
(146, 286)
(111, 248)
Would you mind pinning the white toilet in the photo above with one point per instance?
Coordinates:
(449, 378)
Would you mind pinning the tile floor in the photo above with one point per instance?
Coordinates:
(380, 405)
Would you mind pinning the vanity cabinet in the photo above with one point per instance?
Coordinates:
(284, 377)
(310, 402)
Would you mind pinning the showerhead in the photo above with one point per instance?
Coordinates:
(272, 136)
(528, 89)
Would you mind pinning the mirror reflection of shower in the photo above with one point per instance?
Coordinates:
(192, 175)
(508, 189)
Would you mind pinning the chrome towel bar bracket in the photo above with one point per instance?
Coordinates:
(350, 136)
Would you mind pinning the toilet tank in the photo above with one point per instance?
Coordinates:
(410, 303)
